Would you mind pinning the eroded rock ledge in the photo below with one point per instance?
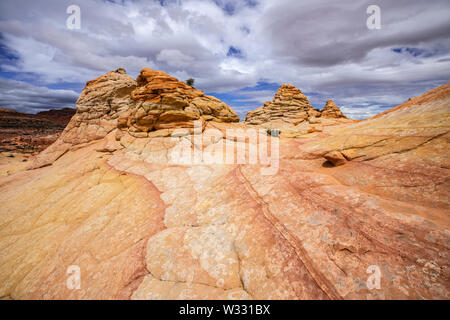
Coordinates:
(142, 227)
(291, 106)
(331, 110)
(155, 102)
(162, 102)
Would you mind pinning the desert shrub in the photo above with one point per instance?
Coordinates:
(190, 82)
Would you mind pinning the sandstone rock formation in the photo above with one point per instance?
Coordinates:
(331, 110)
(289, 105)
(142, 227)
(163, 102)
(291, 114)
(99, 106)
(408, 146)
(153, 102)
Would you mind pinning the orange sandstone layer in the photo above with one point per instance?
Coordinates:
(140, 226)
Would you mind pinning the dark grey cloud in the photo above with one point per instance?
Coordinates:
(324, 33)
(28, 98)
(320, 46)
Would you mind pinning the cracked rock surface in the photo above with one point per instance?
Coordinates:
(140, 226)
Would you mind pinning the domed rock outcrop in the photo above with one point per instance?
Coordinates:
(152, 102)
(289, 105)
(162, 102)
(331, 110)
(99, 106)
(360, 211)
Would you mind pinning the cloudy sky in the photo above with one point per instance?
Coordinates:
(238, 50)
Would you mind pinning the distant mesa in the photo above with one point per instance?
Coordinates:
(290, 105)
(31, 133)
(60, 116)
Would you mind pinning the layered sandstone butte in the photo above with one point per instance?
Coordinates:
(163, 102)
(154, 102)
(289, 105)
(141, 226)
(331, 110)
(292, 115)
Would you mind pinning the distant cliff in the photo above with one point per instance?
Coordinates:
(30, 133)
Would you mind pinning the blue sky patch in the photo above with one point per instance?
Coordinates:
(415, 52)
(234, 52)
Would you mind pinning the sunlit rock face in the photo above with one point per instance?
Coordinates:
(359, 210)
(289, 105)
(331, 110)
(401, 154)
(291, 113)
(163, 102)
(153, 102)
